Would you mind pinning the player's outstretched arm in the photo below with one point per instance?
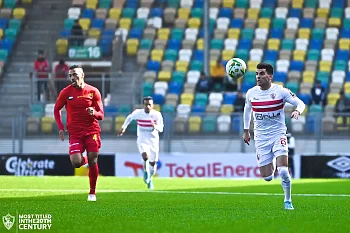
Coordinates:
(246, 118)
(127, 121)
(97, 110)
(291, 98)
(160, 124)
(60, 102)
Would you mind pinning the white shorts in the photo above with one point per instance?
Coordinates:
(268, 150)
(152, 150)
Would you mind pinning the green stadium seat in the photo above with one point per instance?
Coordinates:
(177, 33)
(271, 62)
(11, 33)
(132, 127)
(336, 13)
(242, 54)
(278, 23)
(68, 23)
(171, 55)
(10, 3)
(197, 13)
(266, 12)
(318, 33)
(212, 23)
(124, 109)
(248, 33)
(146, 44)
(173, 3)
(249, 77)
(139, 23)
(287, 44)
(311, 3)
(293, 86)
(105, 4)
(315, 108)
(196, 65)
(340, 65)
(323, 76)
(313, 55)
(201, 99)
(216, 44)
(168, 108)
(209, 124)
(3, 55)
(147, 88)
(15, 24)
(128, 13)
(346, 23)
(241, 4)
(178, 76)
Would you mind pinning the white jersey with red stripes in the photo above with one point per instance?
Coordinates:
(268, 110)
(146, 132)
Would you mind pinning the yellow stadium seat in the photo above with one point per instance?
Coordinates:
(164, 76)
(181, 66)
(19, 13)
(187, 98)
(273, 44)
(157, 55)
(27, 1)
(332, 98)
(308, 79)
(334, 22)
(344, 44)
(306, 110)
(94, 33)
(125, 23)
(252, 65)
(200, 44)
(304, 33)
(91, 4)
(227, 108)
(322, 12)
(62, 46)
(119, 121)
(84, 23)
(184, 13)
(325, 66)
(341, 124)
(234, 33)
(47, 124)
(227, 54)
(163, 33)
(1, 33)
(194, 125)
(228, 3)
(279, 83)
(347, 87)
(115, 13)
(212, 63)
(299, 55)
(264, 23)
(194, 23)
(253, 13)
(309, 73)
(131, 46)
(156, 107)
(297, 3)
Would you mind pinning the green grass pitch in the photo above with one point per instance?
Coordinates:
(178, 205)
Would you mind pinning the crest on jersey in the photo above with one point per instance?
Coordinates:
(273, 95)
(91, 95)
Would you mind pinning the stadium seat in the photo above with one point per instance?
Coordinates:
(209, 124)
(194, 124)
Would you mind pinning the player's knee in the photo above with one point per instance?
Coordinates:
(284, 173)
(144, 156)
(76, 164)
(92, 158)
(268, 178)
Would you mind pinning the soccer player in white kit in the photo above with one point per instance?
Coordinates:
(149, 125)
(267, 100)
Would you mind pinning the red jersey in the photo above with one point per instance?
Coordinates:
(77, 100)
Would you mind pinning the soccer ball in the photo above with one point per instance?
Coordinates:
(236, 68)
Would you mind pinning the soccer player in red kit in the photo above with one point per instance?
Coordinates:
(84, 109)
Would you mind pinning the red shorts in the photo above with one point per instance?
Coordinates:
(90, 143)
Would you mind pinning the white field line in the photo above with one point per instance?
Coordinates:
(170, 192)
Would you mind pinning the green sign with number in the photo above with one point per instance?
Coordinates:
(87, 52)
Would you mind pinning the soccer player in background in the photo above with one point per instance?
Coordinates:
(149, 124)
(84, 108)
(267, 102)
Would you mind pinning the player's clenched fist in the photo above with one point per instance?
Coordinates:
(246, 136)
(61, 134)
(295, 115)
(90, 111)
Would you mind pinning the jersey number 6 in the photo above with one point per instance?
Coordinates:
(283, 141)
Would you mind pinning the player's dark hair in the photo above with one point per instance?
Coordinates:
(74, 67)
(147, 98)
(268, 67)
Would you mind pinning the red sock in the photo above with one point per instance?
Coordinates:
(93, 174)
(84, 160)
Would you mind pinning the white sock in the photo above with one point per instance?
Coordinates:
(286, 183)
(146, 166)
